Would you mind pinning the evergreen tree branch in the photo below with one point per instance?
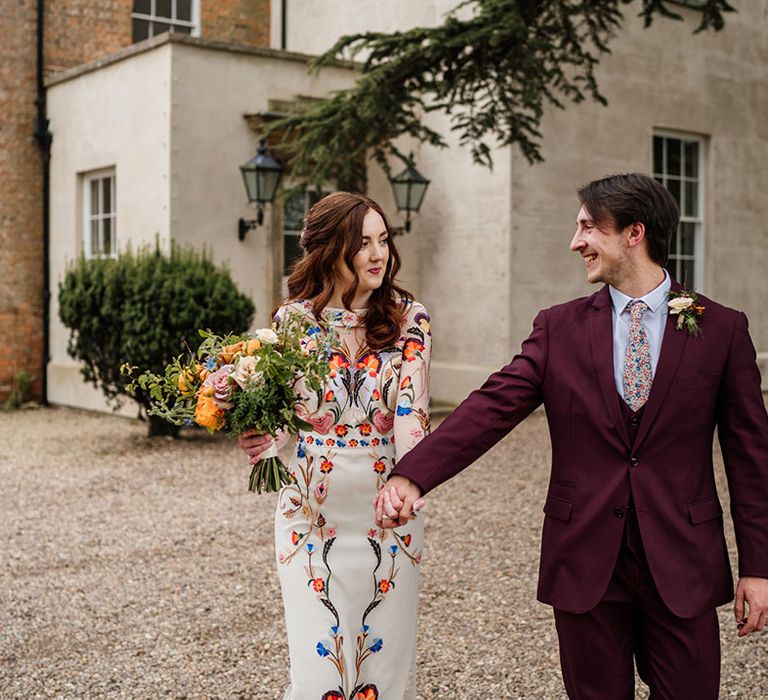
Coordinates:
(492, 74)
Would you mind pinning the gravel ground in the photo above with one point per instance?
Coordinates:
(137, 568)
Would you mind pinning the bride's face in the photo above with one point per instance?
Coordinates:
(370, 262)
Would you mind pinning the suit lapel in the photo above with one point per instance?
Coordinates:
(672, 346)
(600, 322)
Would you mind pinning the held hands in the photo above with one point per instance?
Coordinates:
(254, 444)
(397, 502)
(753, 592)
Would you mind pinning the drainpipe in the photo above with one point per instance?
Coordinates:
(44, 138)
(284, 24)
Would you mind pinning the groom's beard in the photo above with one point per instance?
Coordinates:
(614, 273)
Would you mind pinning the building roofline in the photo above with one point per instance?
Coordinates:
(184, 39)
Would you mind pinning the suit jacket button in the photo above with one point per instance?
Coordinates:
(633, 461)
(619, 512)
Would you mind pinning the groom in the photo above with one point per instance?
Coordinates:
(633, 556)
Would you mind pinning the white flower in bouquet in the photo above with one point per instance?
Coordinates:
(267, 335)
(246, 372)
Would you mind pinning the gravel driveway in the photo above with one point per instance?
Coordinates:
(137, 568)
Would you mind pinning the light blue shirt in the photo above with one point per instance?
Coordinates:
(654, 320)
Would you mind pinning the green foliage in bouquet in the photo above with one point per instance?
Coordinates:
(142, 309)
(238, 383)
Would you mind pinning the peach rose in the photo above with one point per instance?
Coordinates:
(246, 372)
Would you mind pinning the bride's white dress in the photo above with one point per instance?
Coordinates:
(350, 589)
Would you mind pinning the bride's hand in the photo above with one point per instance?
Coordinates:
(397, 502)
(254, 444)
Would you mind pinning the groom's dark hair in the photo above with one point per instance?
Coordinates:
(626, 199)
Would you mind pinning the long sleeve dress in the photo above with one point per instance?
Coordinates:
(350, 589)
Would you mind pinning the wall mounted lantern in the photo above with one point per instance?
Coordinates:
(261, 175)
(408, 188)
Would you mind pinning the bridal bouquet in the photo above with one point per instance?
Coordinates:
(238, 383)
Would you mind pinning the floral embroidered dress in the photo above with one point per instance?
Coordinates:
(349, 588)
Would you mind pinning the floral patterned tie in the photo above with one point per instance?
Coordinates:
(638, 374)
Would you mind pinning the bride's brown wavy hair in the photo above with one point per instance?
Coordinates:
(333, 230)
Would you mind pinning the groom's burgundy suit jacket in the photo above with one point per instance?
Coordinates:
(701, 383)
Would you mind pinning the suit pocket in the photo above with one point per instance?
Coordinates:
(694, 380)
(558, 508)
(701, 511)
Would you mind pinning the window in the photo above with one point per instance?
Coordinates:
(295, 208)
(99, 234)
(677, 164)
(153, 17)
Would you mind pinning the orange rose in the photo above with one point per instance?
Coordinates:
(229, 351)
(253, 345)
(207, 413)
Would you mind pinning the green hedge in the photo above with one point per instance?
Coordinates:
(144, 309)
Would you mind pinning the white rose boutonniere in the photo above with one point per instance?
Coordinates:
(679, 304)
(683, 305)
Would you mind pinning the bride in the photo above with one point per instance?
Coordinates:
(350, 588)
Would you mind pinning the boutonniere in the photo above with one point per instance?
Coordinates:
(683, 305)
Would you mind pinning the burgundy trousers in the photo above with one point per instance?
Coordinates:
(679, 659)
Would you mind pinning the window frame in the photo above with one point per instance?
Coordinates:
(698, 221)
(101, 215)
(153, 17)
(310, 189)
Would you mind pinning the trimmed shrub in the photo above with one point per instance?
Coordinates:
(143, 309)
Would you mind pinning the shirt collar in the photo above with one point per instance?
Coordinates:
(654, 299)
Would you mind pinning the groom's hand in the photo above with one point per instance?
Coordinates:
(753, 593)
(397, 502)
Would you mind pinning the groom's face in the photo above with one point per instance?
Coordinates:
(603, 249)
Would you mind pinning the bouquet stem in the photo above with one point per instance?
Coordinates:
(269, 473)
